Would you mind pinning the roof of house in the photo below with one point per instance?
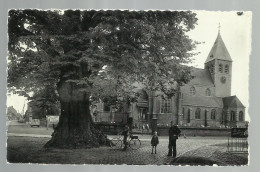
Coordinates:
(202, 101)
(233, 102)
(218, 51)
(201, 77)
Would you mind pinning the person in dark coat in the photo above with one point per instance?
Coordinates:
(174, 132)
(125, 133)
(154, 142)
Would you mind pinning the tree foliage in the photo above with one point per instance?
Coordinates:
(46, 47)
(12, 114)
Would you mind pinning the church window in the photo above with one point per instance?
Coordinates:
(208, 92)
(212, 69)
(241, 116)
(226, 69)
(188, 119)
(220, 68)
(166, 106)
(232, 116)
(197, 113)
(183, 112)
(223, 119)
(213, 114)
(192, 90)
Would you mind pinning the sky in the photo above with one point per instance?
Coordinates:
(235, 31)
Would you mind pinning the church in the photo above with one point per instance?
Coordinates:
(206, 101)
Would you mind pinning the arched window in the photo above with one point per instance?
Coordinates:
(213, 114)
(223, 119)
(220, 67)
(232, 116)
(208, 92)
(188, 119)
(192, 90)
(197, 113)
(241, 116)
(226, 69)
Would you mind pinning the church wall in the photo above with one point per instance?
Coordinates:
(165, 118)
(136, 115)
(201, 122)
(200, 90)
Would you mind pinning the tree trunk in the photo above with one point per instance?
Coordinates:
(76, 128)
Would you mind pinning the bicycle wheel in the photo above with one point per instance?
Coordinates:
(116, 143)
(135, 144)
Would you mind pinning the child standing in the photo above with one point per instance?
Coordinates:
(154, 141)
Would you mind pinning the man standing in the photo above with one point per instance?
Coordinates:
(125, 133)
(174, 132)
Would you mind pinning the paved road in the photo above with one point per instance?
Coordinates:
(20, 147)
(31, 141)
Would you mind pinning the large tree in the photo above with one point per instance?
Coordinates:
(85, 54)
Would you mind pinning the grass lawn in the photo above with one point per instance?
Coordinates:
(27, 129)
(30, 150)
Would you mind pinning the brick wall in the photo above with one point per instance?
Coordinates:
(190, 131)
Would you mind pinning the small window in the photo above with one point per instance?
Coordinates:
(226, 69)
(213, 114)
(208, 92)
(220, 68)
(211, 56)
(197, 113)
(166, 105)
(241, 116)
(192, 90)
(232, 116)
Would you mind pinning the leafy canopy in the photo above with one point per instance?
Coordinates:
(99, 52)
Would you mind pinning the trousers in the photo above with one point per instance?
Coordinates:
(172, 148)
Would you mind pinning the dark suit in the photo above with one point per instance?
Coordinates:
(125, 134)
(174, 132)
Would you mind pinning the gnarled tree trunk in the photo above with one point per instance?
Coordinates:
(76, 128)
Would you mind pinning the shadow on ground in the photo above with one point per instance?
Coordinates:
(216, 158)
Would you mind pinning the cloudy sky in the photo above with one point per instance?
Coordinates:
(236, 34)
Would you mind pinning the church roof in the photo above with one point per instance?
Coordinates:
(232, 102)
(218, 51)
(201, 77)
(202, 101)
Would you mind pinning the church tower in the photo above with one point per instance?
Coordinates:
(219, 64)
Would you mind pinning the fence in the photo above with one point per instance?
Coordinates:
(238, 145)
(238, 141)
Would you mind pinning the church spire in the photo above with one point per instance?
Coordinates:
(219, 50)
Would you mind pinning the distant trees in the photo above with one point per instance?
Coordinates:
(12, 114)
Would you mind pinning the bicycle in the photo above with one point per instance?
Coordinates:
(133, 142)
